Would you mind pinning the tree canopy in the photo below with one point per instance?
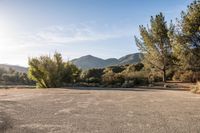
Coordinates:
(155, 44)
(186, 38)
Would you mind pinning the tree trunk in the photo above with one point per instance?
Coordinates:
(164, 75)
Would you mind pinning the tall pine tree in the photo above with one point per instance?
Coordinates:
(155, 44)
(186, 39)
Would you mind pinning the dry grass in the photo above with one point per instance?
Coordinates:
(196, 88)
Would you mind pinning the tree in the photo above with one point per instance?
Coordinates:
(72, 73)
(92, 75)
(116, 69)
(186, 39)
(51, 72)
(155, 44)
(13, 77)
(2, 71)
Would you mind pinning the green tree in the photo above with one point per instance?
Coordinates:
(116, 69)
(2, 71)
(155, 44)
(71, 73)
(51, 72)
(92, 75)
(186, 39)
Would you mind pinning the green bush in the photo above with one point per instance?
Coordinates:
(116, 76)
(141, 81)
(92, 75)
(111, 78)
(136, 78)
(116, 69)
(52, 72)
(12, 77)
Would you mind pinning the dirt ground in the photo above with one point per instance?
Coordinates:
(99, 111)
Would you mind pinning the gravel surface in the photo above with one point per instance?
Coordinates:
(99, 111)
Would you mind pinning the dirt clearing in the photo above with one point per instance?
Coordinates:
(98, 111)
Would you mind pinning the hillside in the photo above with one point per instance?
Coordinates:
(15, 67)
(131, 59)
(89, 61)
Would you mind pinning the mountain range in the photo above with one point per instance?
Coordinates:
(89, 61)
(15, 67)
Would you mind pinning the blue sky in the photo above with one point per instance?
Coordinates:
(103, 28)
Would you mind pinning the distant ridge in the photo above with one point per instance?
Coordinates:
(15, 67)
(89, 61)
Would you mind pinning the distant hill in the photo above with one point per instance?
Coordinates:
(89, 61)
(131, 59)
(15, 67)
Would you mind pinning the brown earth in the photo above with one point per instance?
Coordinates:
(99, 111)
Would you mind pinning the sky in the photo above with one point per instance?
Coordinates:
(102, 28)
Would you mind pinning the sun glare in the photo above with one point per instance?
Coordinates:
(7, 35)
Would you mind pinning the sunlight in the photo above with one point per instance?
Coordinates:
(7, 35)
(4, 33)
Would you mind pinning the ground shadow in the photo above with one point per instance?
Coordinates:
(138, 88)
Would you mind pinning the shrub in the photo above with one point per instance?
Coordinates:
(128, 84)
(155, 76)
(176, 76)
(116, 69)
(52, 72)
(14, 77)
(92, 75)
(186, 76)
(141, 81)
(196, 88)
(139, 67)
(136, 78)
(93, 80)
(111, 78)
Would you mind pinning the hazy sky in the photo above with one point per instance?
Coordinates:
(103, 28)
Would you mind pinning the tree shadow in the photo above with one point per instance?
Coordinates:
(138, 88)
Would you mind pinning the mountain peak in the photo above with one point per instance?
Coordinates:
(89, 61)
(88, 56)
